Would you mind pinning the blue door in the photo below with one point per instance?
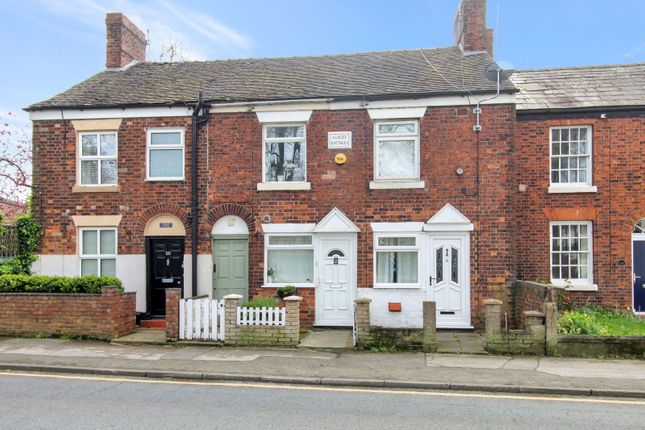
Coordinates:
(639, 275)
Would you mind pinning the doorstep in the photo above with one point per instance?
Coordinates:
(143, 336)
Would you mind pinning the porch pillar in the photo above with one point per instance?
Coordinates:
(493, 318)
(173, 295)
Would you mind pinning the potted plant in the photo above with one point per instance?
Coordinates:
(286, 291)
(270, 272)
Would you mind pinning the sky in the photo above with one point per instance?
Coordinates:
(50, 45)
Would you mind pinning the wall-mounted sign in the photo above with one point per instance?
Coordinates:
(339, 139)
(340, 158)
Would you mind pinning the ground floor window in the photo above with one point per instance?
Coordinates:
(396, 261)
(289, 259)
(571, 252)
(98, 251)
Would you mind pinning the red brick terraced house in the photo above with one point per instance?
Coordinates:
(358, 175)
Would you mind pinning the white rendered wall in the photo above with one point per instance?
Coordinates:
(131, 270)
(411, 315)
(57, 265)
(204, 275)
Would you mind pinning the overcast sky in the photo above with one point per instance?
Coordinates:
(49, 45)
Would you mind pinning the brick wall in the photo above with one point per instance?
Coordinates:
(618, 158)
(230, 166)
(105, 316)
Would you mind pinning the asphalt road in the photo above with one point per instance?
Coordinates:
(75, 402)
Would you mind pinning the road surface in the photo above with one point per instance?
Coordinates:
(41, 401)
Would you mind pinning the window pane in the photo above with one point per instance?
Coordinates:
(108, 267)
(89, 267)
(89, 242)
(108, 144)
(108, 172)
(89, 144)
(289, 265)
(284, 161)
(396, 241)
(166, 163)
(290, 240)
(169, 138)
(108, 242)
(397, 267)
(279, 132)
(454, 265)
(396, 158)
(397, 128)
(89, 172)
(439, 264)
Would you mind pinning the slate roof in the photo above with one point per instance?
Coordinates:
(375, 74)
(620, 85)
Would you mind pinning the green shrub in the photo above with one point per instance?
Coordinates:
(286, 291)
(56, 284)
(578, 323)
(261, 302)
(10, 267)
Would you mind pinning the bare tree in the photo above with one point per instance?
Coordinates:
(15, 159)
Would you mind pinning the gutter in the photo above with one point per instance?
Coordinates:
(197, 120)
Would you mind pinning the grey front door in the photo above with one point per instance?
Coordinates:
(230, 267)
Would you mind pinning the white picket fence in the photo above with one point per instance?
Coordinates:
(261, 316)
(201, 319)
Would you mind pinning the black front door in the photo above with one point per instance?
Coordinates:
(165, 270)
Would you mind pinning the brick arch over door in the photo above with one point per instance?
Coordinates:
(160, 209)
(231, 209)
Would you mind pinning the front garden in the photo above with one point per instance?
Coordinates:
(596, 321)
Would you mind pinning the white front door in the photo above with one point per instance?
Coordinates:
(336, 282)
(449, 262)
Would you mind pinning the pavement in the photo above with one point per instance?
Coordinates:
(461, 372)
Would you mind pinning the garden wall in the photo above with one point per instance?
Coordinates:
(604, 346)
(104, 316)
(529, 296)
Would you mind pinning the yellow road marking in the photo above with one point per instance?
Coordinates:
(374, 390)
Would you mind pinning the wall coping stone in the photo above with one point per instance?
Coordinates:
(288, 299)
(492, 302)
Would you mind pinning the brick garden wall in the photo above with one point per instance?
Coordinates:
(230, 166)
(105, 316)
(618, 160)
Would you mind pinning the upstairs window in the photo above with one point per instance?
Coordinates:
(98, 251)
(571, 156)
(285, 153)
(396, 149)
(98, 158)
(165, 152)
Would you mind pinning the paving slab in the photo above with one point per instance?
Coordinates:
(569, 367)
(460, 342)
(143, 336)
(467, 361)
(328, 339)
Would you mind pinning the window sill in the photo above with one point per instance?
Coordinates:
(396, 286)
(284, 284)
(392, 185)
(284, 186)
(581, 287)
(96, 189)
(165, 179)
(561, 189)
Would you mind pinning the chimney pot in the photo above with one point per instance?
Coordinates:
(125, 41)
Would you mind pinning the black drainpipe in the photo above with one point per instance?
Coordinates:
(197, 120)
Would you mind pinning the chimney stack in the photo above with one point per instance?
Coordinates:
(125, 42)
(470, 27)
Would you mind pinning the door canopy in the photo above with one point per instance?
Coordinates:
(335, 222)
(448, 219)
(164, 225)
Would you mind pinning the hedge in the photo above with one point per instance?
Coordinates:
(56, 284)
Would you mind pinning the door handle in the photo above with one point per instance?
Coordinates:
(214, 268)
(431, 280)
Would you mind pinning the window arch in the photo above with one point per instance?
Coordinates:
(639, 227)
(335, 253)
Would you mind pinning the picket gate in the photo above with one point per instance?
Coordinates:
(201, 319)
(261, 316)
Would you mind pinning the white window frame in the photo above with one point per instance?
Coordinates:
(98, 256)
(575, 284)
(418, 246)
(415, 178)
(268, 247)
(98, 157)
(572, 187)
(181, 146)
(277, 185)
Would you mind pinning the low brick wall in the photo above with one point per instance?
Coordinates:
(529, 296)
(103, 316)
(538, 337)
(260, 335)
(422, 339)
(590, 346)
